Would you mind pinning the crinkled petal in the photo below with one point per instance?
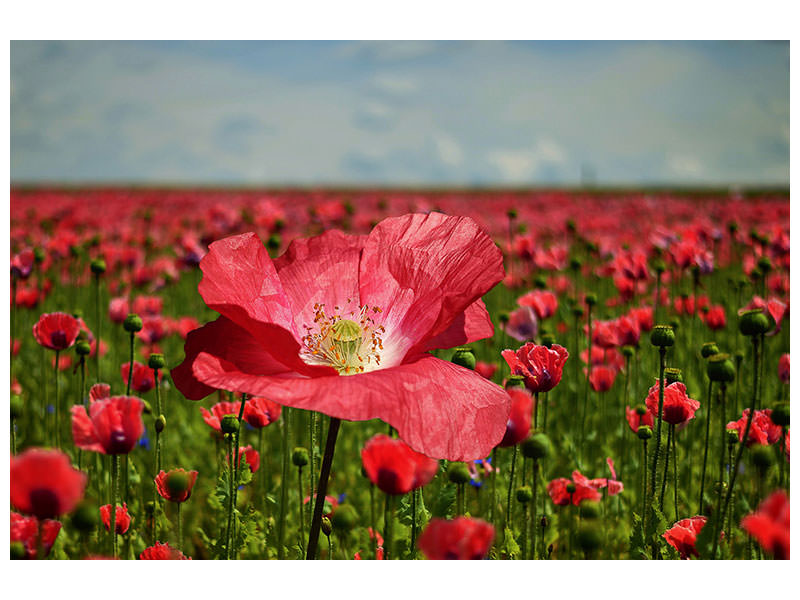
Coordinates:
(438, 408)
(470, 326)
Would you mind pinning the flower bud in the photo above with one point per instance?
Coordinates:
(575, 264)
(537, 446)
(299, 457)
(591, 299)
(540, 282)
(733, 436)
(229, 424)
(765, 264)
(85, 517)
(763, 458)
(156, 361)
(16, 406)
(504, 316)
(577, 311)
(345, 517)
(511, 213)
(641, 410)
(590, 509)
(17, 551)
(733, 227)
(132, 323)
(753, 322)
(662, 336)
(457, 472)
(177, 482)
(720, 487)
(589, 537)
(571, 488)
(515, 381)
(709, 349)
(98, 266)
(326, 526)
(780, 414)
(38, 255)
(628, 351)
(645, 432)
(543, 522)
(161, 423)
(464, 357)
(675, 324)
(672, 375)
(149, 508)
(524, 494)
(548, 339)
(720, 368)
(148, 410)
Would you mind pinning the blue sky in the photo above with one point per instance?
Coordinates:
(400, 113)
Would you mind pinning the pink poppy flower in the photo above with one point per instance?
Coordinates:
(539, 365)
(543, 303)
(343, 324)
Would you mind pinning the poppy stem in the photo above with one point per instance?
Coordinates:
(237, 462)
(322, 488)
(180, 527)
(388, 527)
(705, 451)
(509, 506)
(371, 516)
(666, 468)
(644, 482)
(413, 522)
(97, 327)
(782, 457)
(675, 469)
(284, 482)
(312, 452)
(662, 350)
(493, 510)
(745, 437)
(302, 508)
(58, 404)
(114, 490)
(533, 508)
(230, 496)
(588, 372)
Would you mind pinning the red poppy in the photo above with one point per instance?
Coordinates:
(557, 489)
(112, 426)
(56, 331)
(44, 484)
(543, 303)
(678, 407)
(519, 419)
(461, 538)
(260, 412)
(162, 552)
(26, 531)
(635, 420)
(762, 429)
(365, 306)
(783, 368)
(604, 334)
(373, 535)
(539, 365)
(602, 378)
(143, 379)
(628, 331)
(118, 310)
(22, 264)
(714, 318)
(123, 519)
(219, 410)
(683, 535)
(328, 507)
(148, 305)
(613, 484)
(99, 391)
(176, 485)
(394, 467)
(251, 457)
(154, 329)
(770, 525)
(522, 324)
(485, 369)
(644, 316)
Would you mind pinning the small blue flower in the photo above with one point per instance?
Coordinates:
(144, 441)
(342, 496)
(50, 409)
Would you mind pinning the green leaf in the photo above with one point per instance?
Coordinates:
(638, 548)
(444, 503)
(404, 514)
(510, 548)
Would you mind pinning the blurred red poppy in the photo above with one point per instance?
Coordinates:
(557, 489)
(175, 485)
(143, 379)
(678, 407)
(543, 303)
(394, 467)
(461, 538)
(602, 378)
(219, 410)
(683, 535)
(783, 368)
(56, 331)
(162, 552)
(260, 412)
(635, 420)
(26, 531)
(123, 519)
(112, 426)
(44, 483)
(770, 525)
(762, 429)
(519, 419)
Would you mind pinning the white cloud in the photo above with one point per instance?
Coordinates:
(449, 151)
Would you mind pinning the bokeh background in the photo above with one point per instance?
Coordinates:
(401, 113)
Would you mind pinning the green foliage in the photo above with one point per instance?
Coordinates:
(444, 505)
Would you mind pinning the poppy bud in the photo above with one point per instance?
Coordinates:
(662, 336)
(524, 494)
(590, 509)
(274, 242)
(591, 247)
(511, 213)
(589, 537)
(765, 264)
(457, 472)
(16, 406)
(571, 488)
(720, 368)
(733, 227)
(515, 381)
(641, 410)
(464, 357)
(591, 299)
(720, 487)
(645, 432)
(147, 409)
(149, 508)
(659, 266)
(548, 339)
(753, 322)
(326, 526)
(504, 316)
(85, 518)
(98, 266)
(709, 349)
(537, 446)
(733, 436)
(83, 348)
(672, 375)
(577, 311)
(299, 457)
(780, 414)
(575, 264)
(17, 551)
(675, 324)
(229, 424)
(161, 423)
(763, 458)
(156, 361)
(177, 482)
(543, 522)
(628, 351)
(132, 323)
(345, 517)
(540, 282)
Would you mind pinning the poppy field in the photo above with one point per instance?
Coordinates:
(397, 375)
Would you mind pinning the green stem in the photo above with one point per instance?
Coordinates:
(705, 450)
(413, 522)
(388, 527)
(97, 328)
(130, 370)
(662, 364)
(228, 530)
(644, 482)
(372, 522)
(666, 469)
(284, 482)
(675, 469)
(322, 488)
(114, 490)
(180, 527)
(509, 506)
(300, 498)
(58, 404)
(532, 553)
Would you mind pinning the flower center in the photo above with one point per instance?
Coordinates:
(350, 345)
